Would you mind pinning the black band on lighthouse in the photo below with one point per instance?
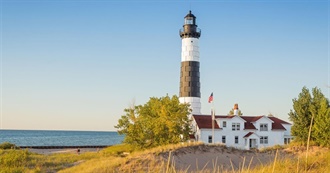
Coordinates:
(189, 79)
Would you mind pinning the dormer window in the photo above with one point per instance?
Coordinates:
(263, 127)
(235, 126)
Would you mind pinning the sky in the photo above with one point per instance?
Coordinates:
(77, 64)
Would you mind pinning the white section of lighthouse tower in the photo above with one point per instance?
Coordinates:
(190, 49)
(189, 79)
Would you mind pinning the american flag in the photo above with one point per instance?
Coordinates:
(211, 98)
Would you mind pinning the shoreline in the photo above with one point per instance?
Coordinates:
(63, 147)
(63, 150)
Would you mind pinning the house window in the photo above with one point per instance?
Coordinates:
(263, 127)
(263, 139)
(236, 139)
(224, 139)
(286, 140)
(224, 124)
(235, 126)
(210, 139)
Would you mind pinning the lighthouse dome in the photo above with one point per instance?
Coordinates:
(190, 15)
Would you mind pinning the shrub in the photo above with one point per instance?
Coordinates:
(118, 150)
(7, 145)
(13, 158)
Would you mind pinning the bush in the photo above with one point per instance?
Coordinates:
(13, 158)
(118, 150)
(272, 148)
(7, 145)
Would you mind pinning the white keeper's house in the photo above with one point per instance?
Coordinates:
(243, 132)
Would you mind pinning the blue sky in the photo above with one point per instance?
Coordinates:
(76, 65)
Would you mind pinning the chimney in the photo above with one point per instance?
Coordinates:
(236, 109)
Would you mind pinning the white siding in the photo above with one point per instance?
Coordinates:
(275, 137)
(288, 129)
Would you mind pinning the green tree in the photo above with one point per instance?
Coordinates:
(158, 122)
(321, 112)
(300, 115)
(305, 107)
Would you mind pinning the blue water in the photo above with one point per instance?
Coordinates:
(59, 138)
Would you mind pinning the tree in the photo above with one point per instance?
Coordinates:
(158, 122)
(305, 107)
(301, 115)
(321, 112)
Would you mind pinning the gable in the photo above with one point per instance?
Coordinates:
(237, 118)
(264, 119)
(251, 135)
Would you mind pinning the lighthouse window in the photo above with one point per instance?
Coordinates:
(189, 21)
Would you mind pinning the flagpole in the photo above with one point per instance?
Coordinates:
(212, 115)
(213, 118)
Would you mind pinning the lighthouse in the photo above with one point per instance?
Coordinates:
(189, 78)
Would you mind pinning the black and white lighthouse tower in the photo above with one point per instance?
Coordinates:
(189, 79)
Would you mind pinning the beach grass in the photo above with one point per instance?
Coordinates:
(148, 161)
(125, 158)
(13, 160)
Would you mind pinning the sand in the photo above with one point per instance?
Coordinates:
(65, 150)
(219, 158)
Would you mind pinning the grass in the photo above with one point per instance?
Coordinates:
(23, 161)
(317, 163)
(113, 160)
(125, 158)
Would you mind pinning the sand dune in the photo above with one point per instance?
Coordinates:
(219, 158)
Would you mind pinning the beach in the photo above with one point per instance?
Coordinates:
(64, 150)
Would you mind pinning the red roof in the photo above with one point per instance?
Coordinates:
(249, 125)
(248, 134)
(277, 125)
(249, 119)
(205, 121)
(278, 120)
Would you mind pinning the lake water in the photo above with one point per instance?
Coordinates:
(59, 138)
